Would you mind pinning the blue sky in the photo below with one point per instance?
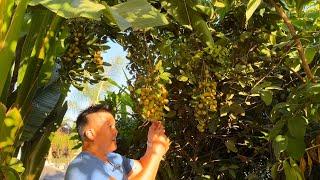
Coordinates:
(77, 101)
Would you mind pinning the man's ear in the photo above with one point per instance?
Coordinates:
(90, 134)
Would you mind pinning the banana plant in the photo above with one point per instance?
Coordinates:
(9, 36)
(35, 150)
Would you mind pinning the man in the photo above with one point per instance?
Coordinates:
(96, 127)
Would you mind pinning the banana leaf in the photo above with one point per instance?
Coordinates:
(9, 43)
(42, 105)
(35, 150)
(5, 17)
(134, 13)
(41, 19)
(140, 14)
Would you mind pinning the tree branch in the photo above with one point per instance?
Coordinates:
(300, 49)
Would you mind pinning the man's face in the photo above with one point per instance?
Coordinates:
(104, 126)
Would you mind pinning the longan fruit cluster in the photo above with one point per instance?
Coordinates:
(153, 98)
(74, 48)
(78, 45)
(97, 58)
(205, 101)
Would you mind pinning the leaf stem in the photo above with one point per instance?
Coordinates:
(298, 43)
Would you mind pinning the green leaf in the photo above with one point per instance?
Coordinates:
(9, 127)
(219, 4)
(276, 129)
(296, 147)
(186, 16)
(43, 103)
(182, 78)
(297, 126)
(231, 146)
(72, 8)
(114, 17)
(259, 87)
(5, 17)
(140, 14)
(16, 164)
(296, 169)
(288, 171)
(266, 96)
(41, 19)
(279, 145)
(292, 171)
(206, 10)
(49, 71)
(310, 52)
(237, 109)
(165, 76)
(279, 110)
(251, 8)
(9, 42)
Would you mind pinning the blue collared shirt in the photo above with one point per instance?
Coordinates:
(88, 167)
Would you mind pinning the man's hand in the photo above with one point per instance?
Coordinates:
(158, 142)
(158, 145)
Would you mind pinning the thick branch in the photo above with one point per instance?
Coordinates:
(300, 49)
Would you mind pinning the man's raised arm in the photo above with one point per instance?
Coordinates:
(158, 144)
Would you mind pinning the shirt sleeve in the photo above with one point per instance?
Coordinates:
(127, 164)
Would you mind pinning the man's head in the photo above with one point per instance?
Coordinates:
(96, 127)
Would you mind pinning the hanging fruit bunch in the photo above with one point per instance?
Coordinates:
(152, 94)
(205, 102)
(82, 61)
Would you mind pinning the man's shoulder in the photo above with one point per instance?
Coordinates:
(115, 157)
(84, 161)
(84, 166)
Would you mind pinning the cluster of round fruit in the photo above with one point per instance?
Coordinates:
(97, 58)
(77, 44)
(152, 100)
(205, 101)
(74, 49)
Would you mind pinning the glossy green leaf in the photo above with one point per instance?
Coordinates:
(276, 129)
(288, 171)
(297, 126)
(251, 8)
(309, 53)
(296, 147)
(182, 78)
(266, 96)
(231, 146)
(279, 145)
